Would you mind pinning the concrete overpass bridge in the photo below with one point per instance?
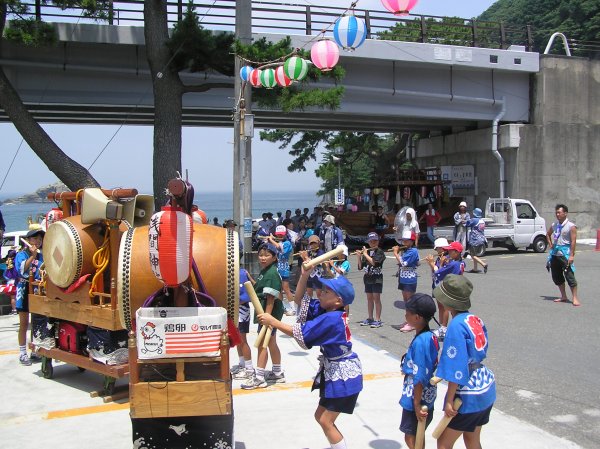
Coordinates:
(98, 74)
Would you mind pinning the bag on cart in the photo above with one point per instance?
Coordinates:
(72, 337)
(108, 347)
(43, 331)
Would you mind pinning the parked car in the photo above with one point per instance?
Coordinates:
(509, 223)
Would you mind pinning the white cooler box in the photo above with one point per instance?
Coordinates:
(171, 332)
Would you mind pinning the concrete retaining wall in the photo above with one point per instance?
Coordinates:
(555, 159)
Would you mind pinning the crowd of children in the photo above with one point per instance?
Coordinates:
(322, 298)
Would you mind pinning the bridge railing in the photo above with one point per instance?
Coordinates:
(291, 18)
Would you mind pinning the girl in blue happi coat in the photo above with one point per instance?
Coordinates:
(323, 322)
(408, 262)
(461, 364)
(418, 365)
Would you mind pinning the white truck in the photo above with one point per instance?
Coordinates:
(509, 223)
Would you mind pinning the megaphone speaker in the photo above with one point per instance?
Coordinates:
(137, 211)
(96, 206)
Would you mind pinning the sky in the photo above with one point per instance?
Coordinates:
(207, 152)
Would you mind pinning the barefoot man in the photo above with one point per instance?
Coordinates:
(562, 237)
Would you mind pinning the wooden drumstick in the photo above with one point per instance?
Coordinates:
(445, 420)
(259, 310)
(322, 258)
(420, 438)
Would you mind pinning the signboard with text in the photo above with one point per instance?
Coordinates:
(339, 197)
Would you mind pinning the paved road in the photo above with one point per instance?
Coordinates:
(544, 355)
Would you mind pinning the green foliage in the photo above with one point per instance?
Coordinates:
(197, 50)
(366, 159)
(577, 19)
(29, 31)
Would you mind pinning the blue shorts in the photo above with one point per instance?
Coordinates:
(467, 422)
(22, 299)
(373, 288)
(314, 283)
(340, 405)
(244, 318)
(407, 287)
(409, 422)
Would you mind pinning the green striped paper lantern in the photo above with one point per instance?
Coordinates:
(267, 78)
(296, 68)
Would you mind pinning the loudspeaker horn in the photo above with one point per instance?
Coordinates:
(96, 206)
(137, 211)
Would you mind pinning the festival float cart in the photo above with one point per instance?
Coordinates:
(75, 317)
(178, 286)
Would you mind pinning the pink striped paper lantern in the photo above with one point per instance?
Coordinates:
(325, 54)
(399, 7)
(255, 78)
(282, 79)
(438, 190)
(170, 245)
(423, 191)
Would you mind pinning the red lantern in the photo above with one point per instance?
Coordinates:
(199, 216)
(170, 245)
(406, 193)
(438, 190)
(281, 78)
(255, 78)
(54, 214)
(423, 191)
(386, 195)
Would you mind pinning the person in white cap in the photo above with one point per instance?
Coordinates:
(331, 236)
(460, 221)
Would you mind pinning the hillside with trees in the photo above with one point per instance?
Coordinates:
(579, 20)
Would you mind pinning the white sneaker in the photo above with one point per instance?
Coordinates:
(275, 378)
(243, 374)
(254, 383)
(25, 360)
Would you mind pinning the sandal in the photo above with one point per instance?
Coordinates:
(560, 300)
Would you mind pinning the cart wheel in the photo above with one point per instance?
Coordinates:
(47, 368)
(109, 385)
(81, 369)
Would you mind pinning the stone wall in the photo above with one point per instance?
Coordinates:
(555, 159)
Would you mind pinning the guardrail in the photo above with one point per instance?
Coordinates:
(292, 18)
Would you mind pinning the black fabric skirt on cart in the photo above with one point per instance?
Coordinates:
(190, 432)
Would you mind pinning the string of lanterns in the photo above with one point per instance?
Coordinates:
(349, 33)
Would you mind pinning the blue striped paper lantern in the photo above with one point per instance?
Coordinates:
(245, 72)
(350, 32)
(267, 78)
(296, 68)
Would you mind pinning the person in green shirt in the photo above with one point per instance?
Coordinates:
(268, 289)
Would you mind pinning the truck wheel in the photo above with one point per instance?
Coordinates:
(540, 244)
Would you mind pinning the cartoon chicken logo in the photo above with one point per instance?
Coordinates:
(152, 342)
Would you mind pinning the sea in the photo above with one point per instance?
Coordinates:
(215, 204)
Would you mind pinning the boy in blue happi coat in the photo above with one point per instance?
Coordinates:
(418, 365)
(324, 322)
(408, 262)
(461, 364)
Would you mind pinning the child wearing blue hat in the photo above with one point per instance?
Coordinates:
(324, 322)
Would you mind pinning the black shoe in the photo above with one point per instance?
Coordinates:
(485, 269)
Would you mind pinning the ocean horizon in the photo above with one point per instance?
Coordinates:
(214, 204)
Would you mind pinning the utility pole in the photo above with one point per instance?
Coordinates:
(242, 143)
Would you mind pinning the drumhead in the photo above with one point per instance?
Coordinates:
(68, 250)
